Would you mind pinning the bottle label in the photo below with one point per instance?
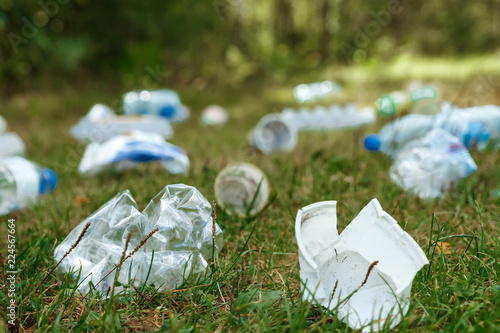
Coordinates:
(26, 177)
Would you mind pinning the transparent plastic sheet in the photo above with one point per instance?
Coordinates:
(182, 245)
(127, 151)
(101, 124)
(427, 166)
(365, 273)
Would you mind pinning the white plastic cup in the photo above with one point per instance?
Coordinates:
(273, 133)
(3, 125)
(236, 187)
(213, 115)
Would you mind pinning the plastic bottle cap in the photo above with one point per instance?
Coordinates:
(48, 181)
(167, 111)
(372, 142)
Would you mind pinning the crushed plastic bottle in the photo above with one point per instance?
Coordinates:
(429, 165)
(163, 102)
(423, 100)
(127, 151)
(273, 133)
(329, 118)
(242, 188)
(365, 274)
(316, 91)
(101, 124)
(22, 182)
(213, 115)
(393, 136)
(182, 245)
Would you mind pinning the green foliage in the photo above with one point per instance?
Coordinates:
(228, 41)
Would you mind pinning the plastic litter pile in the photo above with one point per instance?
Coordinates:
(370, 266)
(182, 245)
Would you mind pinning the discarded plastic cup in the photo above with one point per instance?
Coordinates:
(366, 273)
(213, 115)
(3, 125)
(273, 133)
(242, 188)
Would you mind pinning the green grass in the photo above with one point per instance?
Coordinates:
(255, 282)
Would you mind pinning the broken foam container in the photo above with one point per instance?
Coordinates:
(340, 263)
(179, 250)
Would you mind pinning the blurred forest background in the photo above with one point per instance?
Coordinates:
(50, 43)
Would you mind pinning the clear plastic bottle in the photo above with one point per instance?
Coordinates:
(163, 102)
(393, 136)
(22, 182)
(315, 91)
(423, 100)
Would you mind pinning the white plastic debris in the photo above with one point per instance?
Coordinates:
(213, 115)
(329, 118)
(163, 102)
(273, 133)
(365, 273)
(182, 245)
(11, 145)
(127, 151)
(101, 124)
(429, 165)
(242, 188)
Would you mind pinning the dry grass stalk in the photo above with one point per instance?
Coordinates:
(368, 273)
(84, 231)
(141, 244)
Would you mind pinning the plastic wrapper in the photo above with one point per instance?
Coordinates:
(182, 245)
(429, 165)
(101, 124)
(365, 273)
(127, 151)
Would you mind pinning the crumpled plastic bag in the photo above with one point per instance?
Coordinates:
(101, 124)
(127, 151)
(373, 257)
(429, 165)
(181, 247)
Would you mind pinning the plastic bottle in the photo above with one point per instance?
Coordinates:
(422, 100)
(430, 164)
(317, 90)
(273, 133)
(21, 182)
(101, 124)
(164, 102)
(393, 136)
(329, 118)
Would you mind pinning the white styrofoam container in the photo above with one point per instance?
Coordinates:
(326, 257)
